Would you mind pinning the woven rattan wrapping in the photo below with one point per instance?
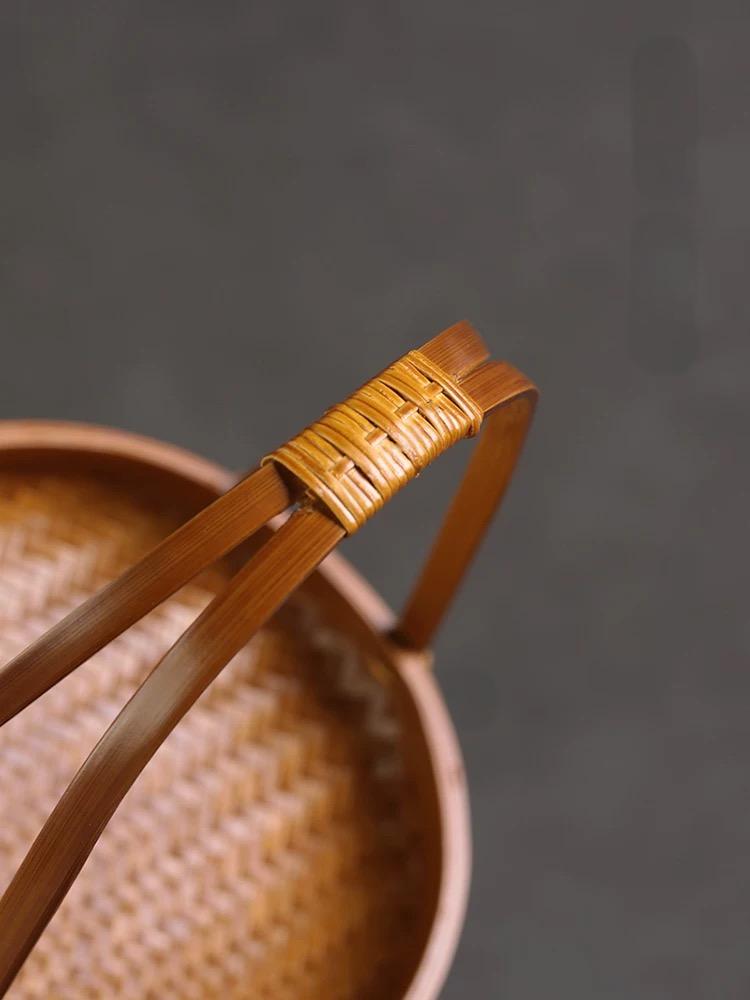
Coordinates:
(270, 848)
(362, 451)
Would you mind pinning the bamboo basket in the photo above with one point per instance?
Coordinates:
(303, 831)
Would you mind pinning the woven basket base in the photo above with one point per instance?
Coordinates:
(270, 849)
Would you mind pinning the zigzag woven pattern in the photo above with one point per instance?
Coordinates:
(365, 449)
(270, 849)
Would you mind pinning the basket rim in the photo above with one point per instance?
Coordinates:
(363, 610)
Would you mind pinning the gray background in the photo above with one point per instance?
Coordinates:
(218, 218)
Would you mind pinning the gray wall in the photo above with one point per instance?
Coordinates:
(218, 218)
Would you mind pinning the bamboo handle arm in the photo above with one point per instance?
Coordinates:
(508, 399)
(214, 531)
(73, 828)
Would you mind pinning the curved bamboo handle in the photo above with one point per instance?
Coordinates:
(494, 389)
(453, 388)
(508, 399)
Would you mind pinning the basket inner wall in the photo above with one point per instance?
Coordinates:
(274, 846)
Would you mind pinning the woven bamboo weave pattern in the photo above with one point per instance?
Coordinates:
(270, 849)
(365, 449)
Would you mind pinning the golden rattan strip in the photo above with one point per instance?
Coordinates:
(365, 449)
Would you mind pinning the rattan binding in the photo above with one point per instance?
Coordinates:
(367, 448)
